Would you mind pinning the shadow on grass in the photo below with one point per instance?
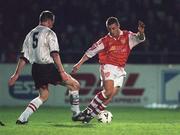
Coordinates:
(74, 126)
(1, 123)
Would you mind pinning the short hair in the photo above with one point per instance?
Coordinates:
(46, 15)
(112, 20)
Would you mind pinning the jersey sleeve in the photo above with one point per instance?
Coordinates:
(95, 48)
(53, 42)
(134, 39)
(25, 49)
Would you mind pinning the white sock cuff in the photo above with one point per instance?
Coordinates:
(103, 105)
(37, 102)
(74, 92)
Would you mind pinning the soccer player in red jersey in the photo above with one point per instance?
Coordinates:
(113, 50)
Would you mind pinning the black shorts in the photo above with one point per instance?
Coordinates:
(44, 74)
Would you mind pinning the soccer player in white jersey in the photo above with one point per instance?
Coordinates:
(41, 49)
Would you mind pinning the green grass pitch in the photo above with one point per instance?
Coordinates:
(126, 121)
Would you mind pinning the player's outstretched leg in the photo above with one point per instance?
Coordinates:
(74, 101)
(95, 107)
(31, 108)
(74, 86)
(18, 122)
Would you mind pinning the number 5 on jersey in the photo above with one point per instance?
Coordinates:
(35, 39)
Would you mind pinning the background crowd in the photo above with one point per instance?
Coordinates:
(79, 23)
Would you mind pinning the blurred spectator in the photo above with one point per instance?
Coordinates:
(79, 20)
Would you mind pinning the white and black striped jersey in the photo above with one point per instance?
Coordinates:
(38, 45)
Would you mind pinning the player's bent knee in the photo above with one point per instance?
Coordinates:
(108, 93)
(76, 85)
(44, 97)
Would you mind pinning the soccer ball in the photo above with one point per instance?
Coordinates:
(105, 116)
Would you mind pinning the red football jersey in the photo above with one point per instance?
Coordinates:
(113, 50)
(116, 51)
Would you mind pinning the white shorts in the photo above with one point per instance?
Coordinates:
(111, 72)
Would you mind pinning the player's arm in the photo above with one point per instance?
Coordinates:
(136, 38)
(140, 33)
(57, 61)
(77, 66)
(21, 62)
(15, 76)
(91, 52)
(54, 52)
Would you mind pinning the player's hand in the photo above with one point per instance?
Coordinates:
(141, 26)
(64, 76)
(13, 79)
(76, 67)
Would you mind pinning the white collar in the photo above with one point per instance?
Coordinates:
(121, 33)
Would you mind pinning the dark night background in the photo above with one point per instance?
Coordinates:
(79, 23)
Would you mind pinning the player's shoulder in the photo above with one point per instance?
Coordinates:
(44, 29)
(47, 31)
(101, 40)
(36, 29)
(50, 32)
(106, 37)
(127, 32)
